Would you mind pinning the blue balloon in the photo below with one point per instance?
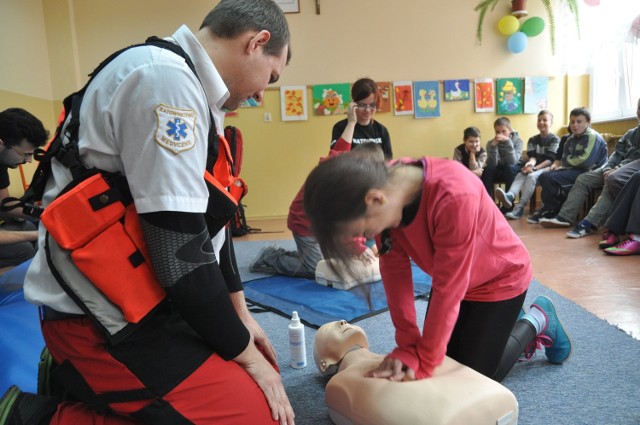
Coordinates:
(517, 42)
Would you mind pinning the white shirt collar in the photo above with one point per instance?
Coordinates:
(214, 87)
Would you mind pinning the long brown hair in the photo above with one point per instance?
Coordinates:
(334, 195)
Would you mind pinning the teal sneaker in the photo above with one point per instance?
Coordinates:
(7, 404)
(559, 349)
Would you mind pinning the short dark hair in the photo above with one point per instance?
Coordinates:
(363, 88)
(470, 132)
(545, 112)
(502, 121)
(17, 124)
(581, 111)
(231, 18)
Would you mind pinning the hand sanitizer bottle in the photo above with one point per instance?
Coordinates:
(297, 346)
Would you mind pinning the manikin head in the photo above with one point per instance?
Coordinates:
(333, 341)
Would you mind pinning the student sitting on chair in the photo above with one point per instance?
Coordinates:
(585, 150)
(504, 152)
(622, 164)
(541, 152)
(470, 152)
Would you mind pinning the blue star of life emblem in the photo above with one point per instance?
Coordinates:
(177, 129)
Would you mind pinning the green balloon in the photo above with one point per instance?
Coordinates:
(532, 26)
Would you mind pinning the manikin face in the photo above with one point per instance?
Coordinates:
(333, 340)
(578, 124)
(16, 155)
(366, 109)
(472, 144)
(544, 123)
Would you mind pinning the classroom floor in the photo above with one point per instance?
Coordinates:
(607, 286)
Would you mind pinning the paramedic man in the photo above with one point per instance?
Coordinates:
(147, 115)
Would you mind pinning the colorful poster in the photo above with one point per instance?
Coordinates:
(331, 99)
(426, 96)
(509, 93)
(384, 89)
(293, 103)
(536, 93)
(484, 95)
(403, 98)
(456, 90)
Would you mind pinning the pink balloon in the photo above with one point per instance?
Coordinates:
(592, 2)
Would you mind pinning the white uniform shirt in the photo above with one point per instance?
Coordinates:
(146, 115)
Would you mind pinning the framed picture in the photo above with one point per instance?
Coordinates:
(289, 6)
(293, 103)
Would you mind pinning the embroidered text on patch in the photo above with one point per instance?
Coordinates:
(176, 128)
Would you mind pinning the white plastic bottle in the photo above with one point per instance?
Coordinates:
(297, 346)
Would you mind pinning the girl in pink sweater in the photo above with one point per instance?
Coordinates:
(437, 214)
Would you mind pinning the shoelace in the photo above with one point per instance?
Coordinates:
(626, 244)
(536, 344)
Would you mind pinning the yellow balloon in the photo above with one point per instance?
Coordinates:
(509, 24)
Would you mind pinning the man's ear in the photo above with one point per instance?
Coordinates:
(259, 40)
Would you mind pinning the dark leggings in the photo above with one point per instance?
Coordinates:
(486, 339)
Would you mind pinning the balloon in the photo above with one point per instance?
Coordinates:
(532, 26)
(592, 2)
(517, 42)
(508, 25)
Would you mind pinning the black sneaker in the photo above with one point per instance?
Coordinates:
(20, 408)
(534, 218)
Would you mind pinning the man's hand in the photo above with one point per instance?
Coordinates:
(269, 381)
(257, 334)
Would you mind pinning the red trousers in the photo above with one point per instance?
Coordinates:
(216, 392)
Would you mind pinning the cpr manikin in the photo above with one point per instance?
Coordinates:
(456, 394)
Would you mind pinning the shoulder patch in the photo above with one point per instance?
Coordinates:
(176, 128)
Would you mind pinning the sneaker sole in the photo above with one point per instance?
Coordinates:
(577, 235)
(553, 225)
(7, 402)
(620, 253)
(502, 197)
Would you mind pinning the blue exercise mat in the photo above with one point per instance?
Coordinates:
(21, 340)
(317, 304)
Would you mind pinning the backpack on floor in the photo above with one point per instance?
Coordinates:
(238, 223)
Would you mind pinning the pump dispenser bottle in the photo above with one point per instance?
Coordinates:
(297, 346)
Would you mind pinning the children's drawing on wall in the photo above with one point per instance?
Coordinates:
(293, 103)
(403, 98)
(250, 103)
(384, 88)
(456, 90)
(509, 96)
(536, 93)
(484, 95)
(426, 99)
(331, 99)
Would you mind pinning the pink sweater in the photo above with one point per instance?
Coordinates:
(460, 238)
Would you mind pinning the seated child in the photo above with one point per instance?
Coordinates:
(303, 261)
(504, 152)
(541, 152)
(341, 350)
(470, 153)
(624, 219)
